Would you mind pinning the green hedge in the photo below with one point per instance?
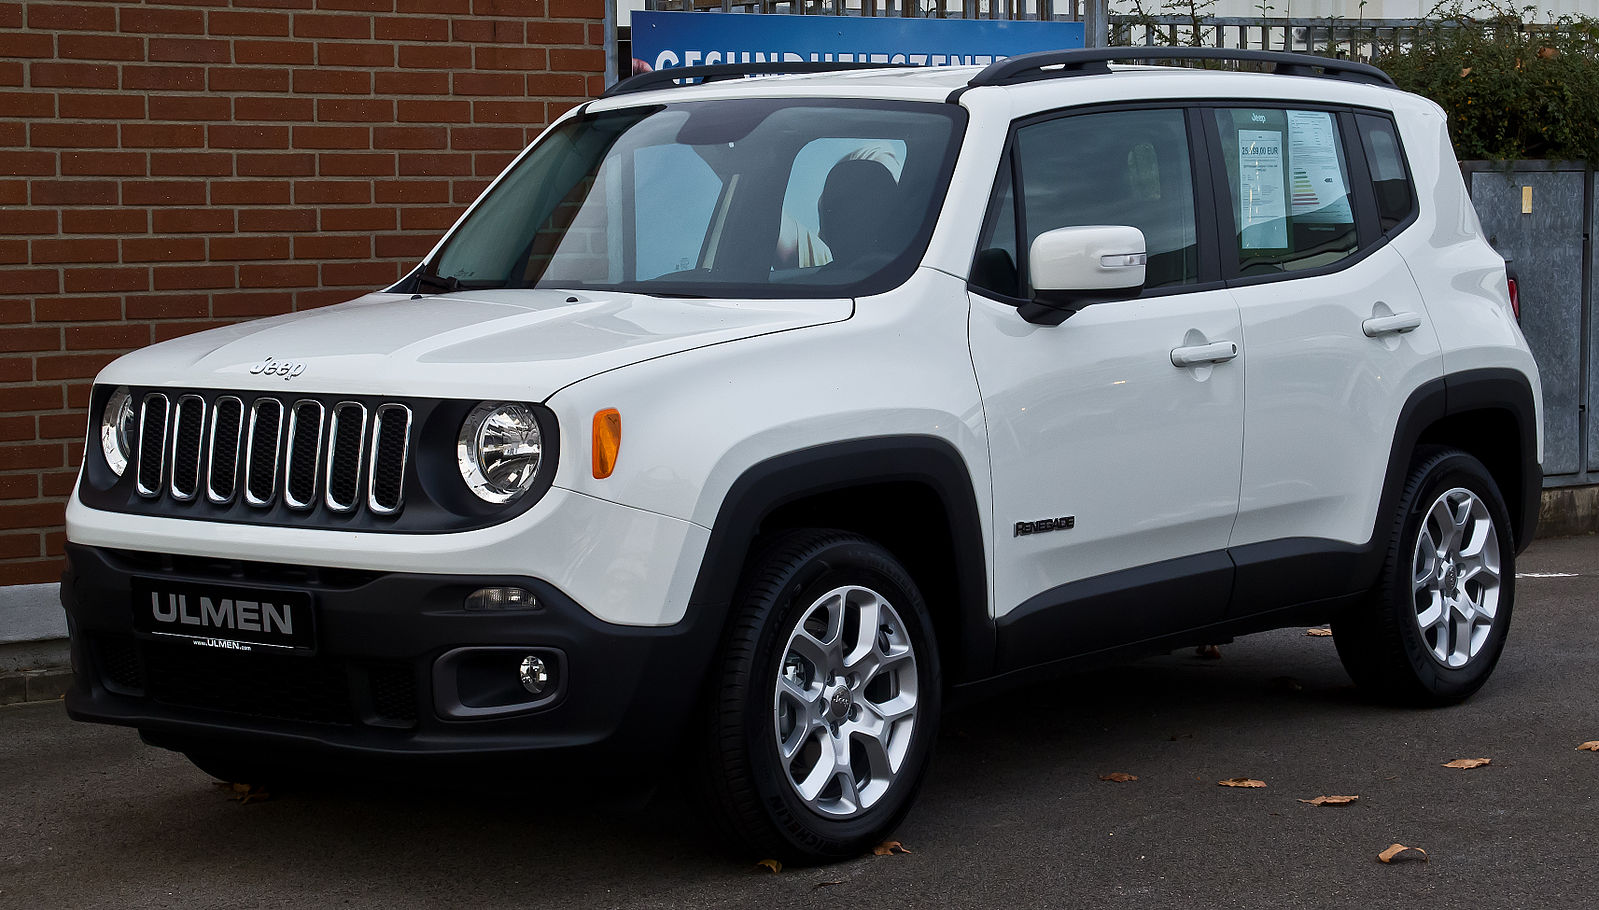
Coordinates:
(1514, 88)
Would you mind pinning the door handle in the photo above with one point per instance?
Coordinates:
(1201, 354)
(1390, 325)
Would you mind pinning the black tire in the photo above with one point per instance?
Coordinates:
(1382, 643)
(748, 791)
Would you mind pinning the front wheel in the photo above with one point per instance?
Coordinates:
(822, 720)
(1436, 625)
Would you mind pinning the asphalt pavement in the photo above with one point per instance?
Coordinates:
(1015, 813)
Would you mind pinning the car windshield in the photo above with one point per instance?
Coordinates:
(736, 198)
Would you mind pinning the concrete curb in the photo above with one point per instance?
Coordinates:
(34, 685)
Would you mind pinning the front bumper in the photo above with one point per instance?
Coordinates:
(387, 678)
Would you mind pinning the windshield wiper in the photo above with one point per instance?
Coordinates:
(445, 285)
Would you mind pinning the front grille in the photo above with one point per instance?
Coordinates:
(394, 694)
(302, 453)
(302, 689)
(121, 667)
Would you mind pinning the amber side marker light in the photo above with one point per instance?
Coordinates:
(607, 441)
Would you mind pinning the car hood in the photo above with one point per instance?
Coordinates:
(516, 344)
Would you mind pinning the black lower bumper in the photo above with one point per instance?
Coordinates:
(400, 669)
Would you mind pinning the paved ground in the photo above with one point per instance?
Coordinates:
(1015, 814)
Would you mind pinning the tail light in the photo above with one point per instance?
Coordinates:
(1515, 299)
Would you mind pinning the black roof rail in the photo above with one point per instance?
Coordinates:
(717, 72)
(1096, 60)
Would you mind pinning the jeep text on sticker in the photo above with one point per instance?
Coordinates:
(288, 369)
(1045, 525)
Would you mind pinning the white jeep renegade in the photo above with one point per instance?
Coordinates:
(747, 417)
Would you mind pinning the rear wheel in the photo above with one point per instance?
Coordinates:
(821, 722)
(1434, 629)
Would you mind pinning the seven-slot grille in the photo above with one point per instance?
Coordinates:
(300, 452)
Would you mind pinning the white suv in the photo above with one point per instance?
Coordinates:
(747, 417)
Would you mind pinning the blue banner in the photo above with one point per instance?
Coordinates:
(663, 40)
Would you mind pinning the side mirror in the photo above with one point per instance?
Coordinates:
(1073, 267)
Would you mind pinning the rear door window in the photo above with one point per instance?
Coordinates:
(1389, 176)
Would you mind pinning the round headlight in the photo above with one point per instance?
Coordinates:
(116, 430)
(499, 450)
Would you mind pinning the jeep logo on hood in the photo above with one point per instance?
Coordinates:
(288, 369)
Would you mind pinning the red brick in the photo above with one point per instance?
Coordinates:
(465, 191)
(276, 165)
(369, 6)
(163, 192)
(332, 137)
(30, 573)
(19, 486)
(276, 220)
(21, 546)
(435, 57)
(74, 249)
(109, 337)
(570, 9)
(582, 60)
(332, 192)
(74, 192)
(191, 277)
(447, 7)
(90, 278)
(96, 47)
(104, 221)
(64, 17)
(410, 137)
(520, 59)
(405, 246)
(346, 54)
(55, 542)
(162, 21)
(358, 219)
(16, 369)
(191, 164)
(103, 164)
(333, 82)
(351, 110)
(498, 83)
(248, 24)
(310, 300)
(410, 28)
(434, 112)
(412, 83)
(276, 275)
(26, 44)
(282, 52)
(317, 26)
(101, 106)
(274, 109)
(528, 9)
(250, 192)
(556, 85)
(487, 31)
(169, 306)
(163, 78)
(368, 164)
(428, 219)
(254, 303)
(334, 246)
(163, 249)
(27, 104)
(31, 455)
(13, 310)
(15, 429)
(360, 274)
(190, 50)
(31, 338)
(73, 135)
(520, 112)
(488, 164)
(274, 4)
(10, 72)
(78, 309)
(28, 164)
(486, 137)
(182, 107)
(224, 249)
(14, 252)
(548, 33)
(78, 392)
(26, 221)
(412, 191)
(162, 136)
(247, 79)
(165, 331)
(36, 514)
(435, 164)
(20, 399)
(192, 221)
(228, 136)
(10, 15)
(71, 366)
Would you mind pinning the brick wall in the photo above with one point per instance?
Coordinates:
(176, 165)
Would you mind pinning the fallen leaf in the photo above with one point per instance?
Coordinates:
(774, 865)
(1465, 72)
(1319, 633)
(1120, 777)
(888, 848)
(1208, 652)
(1331, 800)
(1402, 853)
(1242, 782)
(244, 794)
(1467, 763)
(1590, 746)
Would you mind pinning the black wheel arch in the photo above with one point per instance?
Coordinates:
(912, 494)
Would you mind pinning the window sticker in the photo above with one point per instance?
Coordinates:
(1262, 209)
(1318, 191)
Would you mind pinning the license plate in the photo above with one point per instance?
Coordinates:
(224, 617)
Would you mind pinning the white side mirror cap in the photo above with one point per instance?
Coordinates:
(1099, 257)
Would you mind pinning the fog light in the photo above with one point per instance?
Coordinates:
(535, 675)
(501, 599)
